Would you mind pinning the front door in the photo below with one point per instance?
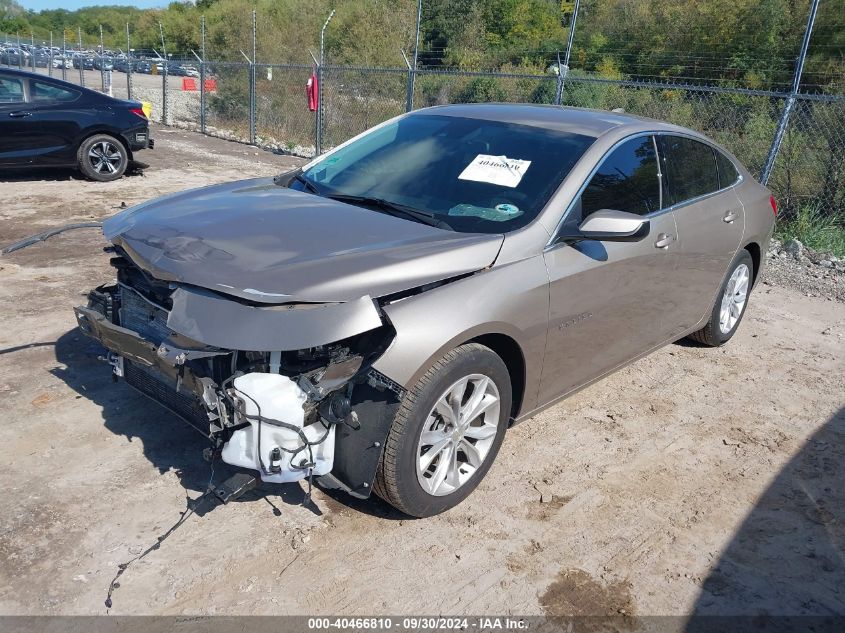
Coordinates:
(611, 301)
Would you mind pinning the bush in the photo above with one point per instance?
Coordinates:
(815, 229)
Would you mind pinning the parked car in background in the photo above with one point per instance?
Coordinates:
(121, 64)
(191, 71)
(62, 62)
(143, 66)
(103, 63)
(83, 61)
(12, 56)
(379, 317)
(49, 122)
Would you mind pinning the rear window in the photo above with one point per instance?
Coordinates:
(728, 174)
(689, 167)
(11, 90)
(42, 91)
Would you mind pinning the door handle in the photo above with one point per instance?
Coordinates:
(663, 240)
(19, 115)
(730, 216)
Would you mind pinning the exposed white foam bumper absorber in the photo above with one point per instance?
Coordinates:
(277, 397)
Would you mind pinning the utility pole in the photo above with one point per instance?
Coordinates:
(790, 101)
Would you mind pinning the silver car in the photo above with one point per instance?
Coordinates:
(378, 319)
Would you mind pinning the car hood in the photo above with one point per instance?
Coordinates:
(256, 240)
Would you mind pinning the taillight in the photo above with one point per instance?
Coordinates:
(138, 112)
(774, 204)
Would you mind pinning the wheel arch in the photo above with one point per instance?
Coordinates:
(753, 249)
(88, 133)
(511, 353)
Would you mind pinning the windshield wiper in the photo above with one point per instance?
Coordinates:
(392, 208)
(310, 186)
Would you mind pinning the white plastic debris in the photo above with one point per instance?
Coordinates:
(279, 398)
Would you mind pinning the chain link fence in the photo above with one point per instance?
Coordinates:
(221, 99)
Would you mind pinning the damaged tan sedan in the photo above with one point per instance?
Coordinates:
(377, 319)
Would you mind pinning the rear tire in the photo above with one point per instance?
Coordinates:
(417, 477)
(730, 304)
(102, 158)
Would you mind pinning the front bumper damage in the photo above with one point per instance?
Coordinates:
(227, 368)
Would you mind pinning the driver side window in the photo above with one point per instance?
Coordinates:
(626, 181)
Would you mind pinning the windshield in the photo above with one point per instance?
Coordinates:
(476, 176)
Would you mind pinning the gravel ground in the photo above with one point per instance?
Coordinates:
(807, 273)
(693, 481)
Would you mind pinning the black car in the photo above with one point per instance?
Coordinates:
(49, 122)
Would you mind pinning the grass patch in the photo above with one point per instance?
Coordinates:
(818, 231)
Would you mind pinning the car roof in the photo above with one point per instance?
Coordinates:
(583, 121)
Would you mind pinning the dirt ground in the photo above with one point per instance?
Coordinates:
(694, 481)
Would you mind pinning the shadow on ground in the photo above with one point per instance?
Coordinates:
(788, 556)
(58, 174)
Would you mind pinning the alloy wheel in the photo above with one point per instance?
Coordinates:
(458, 434)
(734, 298)
(105, 157)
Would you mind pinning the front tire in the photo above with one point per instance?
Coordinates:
(102, 158)
(446, 433)
(730, 304)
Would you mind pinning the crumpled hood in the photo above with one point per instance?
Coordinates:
(266, 243)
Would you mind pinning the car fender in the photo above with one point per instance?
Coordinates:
(510, 300)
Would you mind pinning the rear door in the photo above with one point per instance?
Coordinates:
(611, 301)
(710, 220)
(14, 133)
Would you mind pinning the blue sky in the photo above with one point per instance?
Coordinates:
(37, 5)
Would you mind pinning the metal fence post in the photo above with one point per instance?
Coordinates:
(64, 55)
(164, 86)
(102, 62)
(790, 101)
(50, 61)
(412, 75)
(20, 52)
(252, 91)
(409, 92)
(128, 64)
(564, 70)
(319, 146)
(81, 59)
(32, 50)
(202, 74)
(560, 78)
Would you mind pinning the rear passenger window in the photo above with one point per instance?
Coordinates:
(689, 167)
(42, 91)
(625, 181)
(11, 90)
(728, 174)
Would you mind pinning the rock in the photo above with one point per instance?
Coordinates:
(826, 263)
(794, 248)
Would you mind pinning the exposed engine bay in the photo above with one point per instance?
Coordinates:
(288, 414)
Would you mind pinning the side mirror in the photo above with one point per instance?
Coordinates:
(608, 225)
